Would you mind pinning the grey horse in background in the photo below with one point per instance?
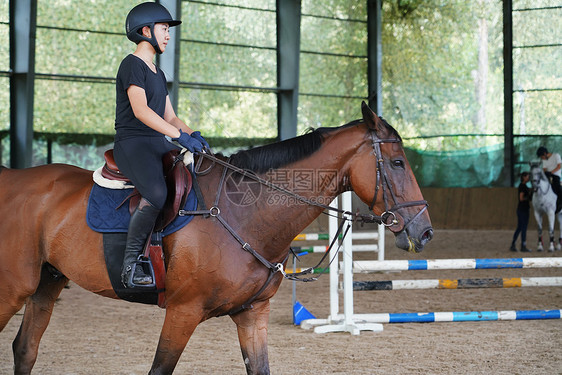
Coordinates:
(544, 203)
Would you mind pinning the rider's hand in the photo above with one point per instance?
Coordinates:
(199, 137)
(189, 142)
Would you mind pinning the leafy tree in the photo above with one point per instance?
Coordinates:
(442, 68)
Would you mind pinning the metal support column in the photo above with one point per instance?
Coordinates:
(169, 61)
(288, 50)
(374, 55)
(509, 154)
(23, 20)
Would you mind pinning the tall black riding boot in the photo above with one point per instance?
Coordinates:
(140, 227)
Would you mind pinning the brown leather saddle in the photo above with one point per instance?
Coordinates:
(178, 180)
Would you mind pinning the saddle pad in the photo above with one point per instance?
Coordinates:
(103, 215)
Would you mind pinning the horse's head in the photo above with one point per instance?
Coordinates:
(381, 176)
(537, 175)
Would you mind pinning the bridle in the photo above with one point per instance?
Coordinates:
(382, 181)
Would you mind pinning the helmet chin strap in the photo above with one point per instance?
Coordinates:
(152, 40)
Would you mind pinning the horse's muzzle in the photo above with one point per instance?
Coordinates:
(427, 235)
(413, 244)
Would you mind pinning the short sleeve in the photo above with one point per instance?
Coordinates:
(132, 72)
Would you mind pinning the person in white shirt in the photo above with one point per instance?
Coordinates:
(551, 163)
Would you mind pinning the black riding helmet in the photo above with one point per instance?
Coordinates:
(542, 151)
(147, 14)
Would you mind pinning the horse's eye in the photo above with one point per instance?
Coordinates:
(398, 163)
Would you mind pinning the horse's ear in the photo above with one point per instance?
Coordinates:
(370, 118)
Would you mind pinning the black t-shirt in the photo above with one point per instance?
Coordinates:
(524, 204)
(134, 71)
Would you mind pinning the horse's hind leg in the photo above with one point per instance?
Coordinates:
(252, 334)
(37, 314)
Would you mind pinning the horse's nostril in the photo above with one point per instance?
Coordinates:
(427, 235)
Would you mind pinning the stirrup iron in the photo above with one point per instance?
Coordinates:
(144, 263)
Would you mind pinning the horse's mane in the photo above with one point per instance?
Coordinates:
(279, 154)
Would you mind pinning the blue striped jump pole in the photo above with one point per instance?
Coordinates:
(453, 264)
(459, 316)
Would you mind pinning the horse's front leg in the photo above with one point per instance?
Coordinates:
(559, 245)
(551, 218)
(252, 334)
(538, 218)
(179, 325)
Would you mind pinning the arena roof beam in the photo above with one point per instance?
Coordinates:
(23, 21)
(288, 50)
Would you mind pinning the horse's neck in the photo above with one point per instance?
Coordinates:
(319, 179)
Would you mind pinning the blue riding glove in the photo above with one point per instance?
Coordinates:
(189, 142)
(199, 137)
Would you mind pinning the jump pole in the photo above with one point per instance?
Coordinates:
(337, 322)
(377, 248)
(354, 323)
(368, 266)
(496, 282)
(461, 316)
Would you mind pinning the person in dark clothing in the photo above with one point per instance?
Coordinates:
(523, 209)
(144, 117)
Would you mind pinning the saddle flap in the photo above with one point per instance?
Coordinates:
(179, 182)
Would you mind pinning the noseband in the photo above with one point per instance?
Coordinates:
(382, 181)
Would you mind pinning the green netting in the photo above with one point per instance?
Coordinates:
(477, 167)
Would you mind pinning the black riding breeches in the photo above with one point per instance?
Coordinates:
(556, 185)
(140, 159)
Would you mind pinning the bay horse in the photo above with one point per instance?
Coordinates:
(218, 264)
(544, 203)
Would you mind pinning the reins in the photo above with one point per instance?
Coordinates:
(214, 211)
(365, 218)
(388, 218)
